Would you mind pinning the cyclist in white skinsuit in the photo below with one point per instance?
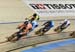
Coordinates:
(66, 23)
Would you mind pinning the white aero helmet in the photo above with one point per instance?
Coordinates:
(66, 20)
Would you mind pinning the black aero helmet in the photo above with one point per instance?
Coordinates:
(49, 21)
(26, 22)
(34, 14)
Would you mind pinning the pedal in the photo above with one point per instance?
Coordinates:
(36, 32)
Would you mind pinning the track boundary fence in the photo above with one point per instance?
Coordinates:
(12, 22)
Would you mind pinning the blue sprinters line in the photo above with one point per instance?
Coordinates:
(50, 46)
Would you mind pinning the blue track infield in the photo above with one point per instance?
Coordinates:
(50, 46)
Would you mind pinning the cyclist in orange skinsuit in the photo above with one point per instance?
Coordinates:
(23, 30)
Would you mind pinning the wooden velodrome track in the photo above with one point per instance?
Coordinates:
(15, 11)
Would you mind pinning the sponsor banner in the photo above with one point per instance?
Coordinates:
(46, 8)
